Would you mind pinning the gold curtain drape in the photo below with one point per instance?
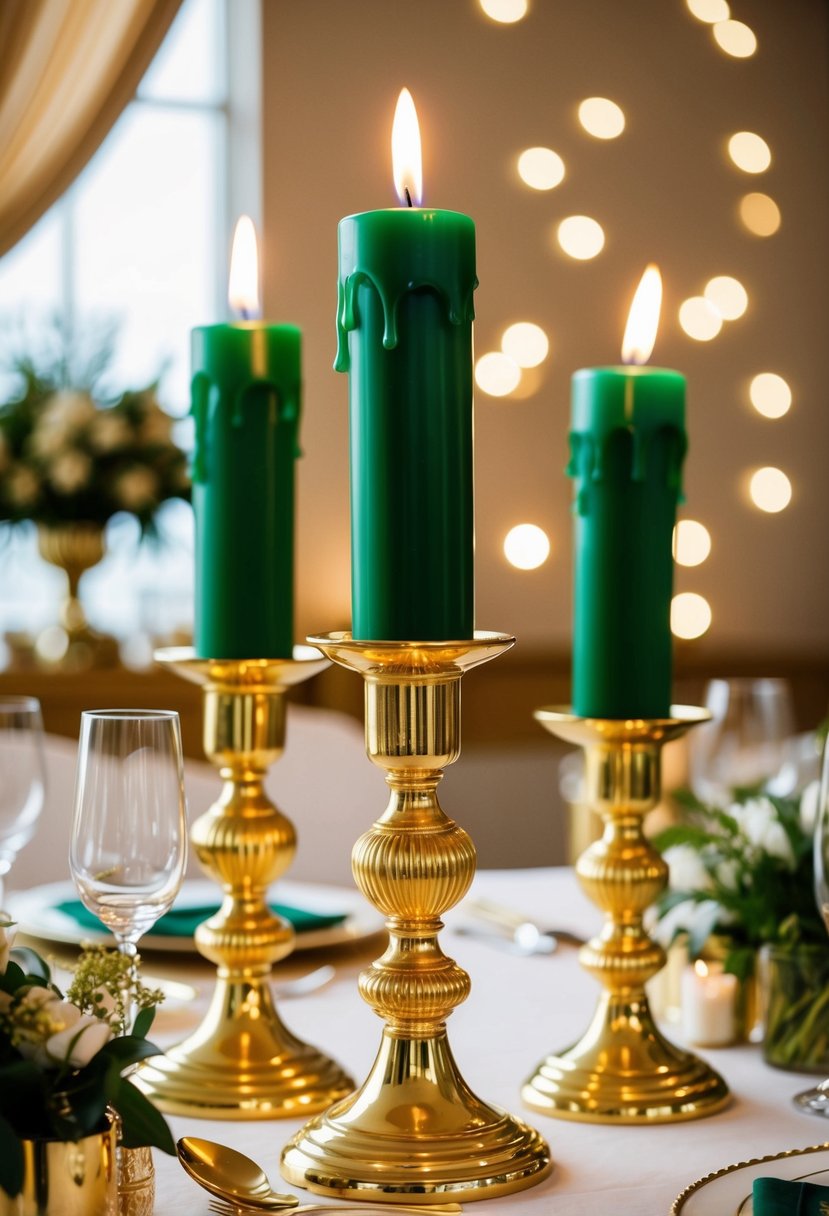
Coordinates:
(67, 69)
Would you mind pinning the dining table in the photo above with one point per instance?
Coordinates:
(522, 1007)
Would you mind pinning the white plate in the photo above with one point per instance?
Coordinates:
(727, 1192)
(36, 914)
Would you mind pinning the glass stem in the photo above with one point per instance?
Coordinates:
(127, 946)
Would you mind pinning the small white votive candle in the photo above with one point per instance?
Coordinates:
(709, 1005)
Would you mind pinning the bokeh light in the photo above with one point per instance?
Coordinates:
(581, 237)
(497, 374)
(692, 542)
(700, 319)
(505, 11)
(690, 615)
(728, 296)
(770, 489)
(749, 152)
(526, 546)
(759, 214)
(526, 343)
(601, 118)
(735, 38)
(770, 395)
(709, 10)
(541, 168)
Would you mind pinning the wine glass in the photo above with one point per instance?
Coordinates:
(816, 1101)
(744, 745)
(129, 839)
(22, 777)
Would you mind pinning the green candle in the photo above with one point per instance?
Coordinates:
(246, 406)
(627, 445)
(404, 321)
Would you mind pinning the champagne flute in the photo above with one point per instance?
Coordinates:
(129, 839)
(816, 1101)
(744, 744)
(22, 777)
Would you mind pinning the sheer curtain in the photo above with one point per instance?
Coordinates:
(67, 69)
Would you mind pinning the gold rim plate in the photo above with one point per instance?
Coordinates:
(727, 1192)
(37, 916)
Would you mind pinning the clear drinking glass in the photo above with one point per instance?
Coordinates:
(816, 1101)
(129, 838)
(22, 777)
(745, 743)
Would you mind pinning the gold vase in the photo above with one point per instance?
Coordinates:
(67, 1178)
(242, 1062)
(623, 1070)
(71, 644)
(415, 1128)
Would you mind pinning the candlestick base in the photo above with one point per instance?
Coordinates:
(242, 1062)
(623, 1070)
(414, 1128)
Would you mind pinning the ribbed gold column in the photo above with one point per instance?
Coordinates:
(243, 1062)
(414, 1127)
(622, 1070)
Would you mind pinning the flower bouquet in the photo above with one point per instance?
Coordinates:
(744, 873)
(70, 452)
(62, 1058)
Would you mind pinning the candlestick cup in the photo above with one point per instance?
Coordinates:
(414, 1127)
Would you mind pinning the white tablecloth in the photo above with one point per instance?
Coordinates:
(521, 1008)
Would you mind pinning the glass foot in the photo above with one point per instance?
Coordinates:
(814, 1101)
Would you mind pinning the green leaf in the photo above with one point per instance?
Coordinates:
(11, 1160)
(703, 929)
(683, 833)
(128, 1050)
(143, 1022)
(141, 1123)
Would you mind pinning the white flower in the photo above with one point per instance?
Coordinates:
(70, 471)
(759, 823)
(22, 487)
(687, 873)
(109, 431)
(79, 1041)
(809, 801)
(684, 918)
(137, 488)
(8, 928)
(68, 410)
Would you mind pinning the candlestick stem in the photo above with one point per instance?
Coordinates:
(243, 1062)
(414, 1127)
(623, 1070)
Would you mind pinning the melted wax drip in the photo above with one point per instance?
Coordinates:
(588, 458)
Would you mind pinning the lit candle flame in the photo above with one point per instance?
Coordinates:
(406, 157)
(243, 283)
(643, 318)
(701, 968)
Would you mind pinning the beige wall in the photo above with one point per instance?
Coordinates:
(665, 190)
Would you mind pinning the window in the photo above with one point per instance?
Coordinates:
(139, 237)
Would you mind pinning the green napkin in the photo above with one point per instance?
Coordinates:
(776, 1197)
(182, 922)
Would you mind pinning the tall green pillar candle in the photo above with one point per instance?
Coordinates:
(404, 322)
(246, 405)
(627, 446)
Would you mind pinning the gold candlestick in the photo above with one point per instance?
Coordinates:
(622, 1070)
(242, 1062)
(415, 1127)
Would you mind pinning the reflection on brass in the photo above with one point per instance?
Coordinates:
(242, 1062)
(72, 1177)
(414, 1127)
(622, 1070)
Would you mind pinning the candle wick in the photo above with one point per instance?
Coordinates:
(408, 196)
(244, 314)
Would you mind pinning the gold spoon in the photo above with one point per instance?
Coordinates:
(354, 1208)
(230, 1175)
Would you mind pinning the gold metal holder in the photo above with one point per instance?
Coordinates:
(242, 1062)
(622, 1070)
(414, 1127)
